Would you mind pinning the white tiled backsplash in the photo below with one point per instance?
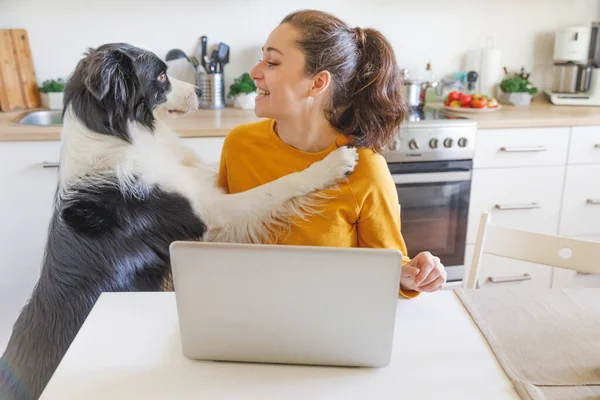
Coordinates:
(439, 31)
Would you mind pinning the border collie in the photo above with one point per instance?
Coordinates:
(127, 188)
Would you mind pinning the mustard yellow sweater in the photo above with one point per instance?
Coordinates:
(364, 214)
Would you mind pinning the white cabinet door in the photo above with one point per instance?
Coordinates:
(496, 148)
(581, 203)
(585, 145)
(26, 203)
(500, 272)
(208, 149)
(524, 198)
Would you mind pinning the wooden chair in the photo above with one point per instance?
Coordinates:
(556, 251)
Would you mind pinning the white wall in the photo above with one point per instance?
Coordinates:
(440, 31)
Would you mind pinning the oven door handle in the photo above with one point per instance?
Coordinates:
(431, 177)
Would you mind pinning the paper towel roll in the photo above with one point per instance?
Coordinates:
(490, 71)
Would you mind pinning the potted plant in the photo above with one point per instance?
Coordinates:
(243, 92)
(517, 90)
(51, 93)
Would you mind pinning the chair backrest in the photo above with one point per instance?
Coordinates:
(538, 248)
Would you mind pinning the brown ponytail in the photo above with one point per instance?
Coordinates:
(366, 101)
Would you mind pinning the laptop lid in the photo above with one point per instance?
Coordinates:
(286, 304)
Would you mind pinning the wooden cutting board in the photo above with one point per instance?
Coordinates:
(18, 83)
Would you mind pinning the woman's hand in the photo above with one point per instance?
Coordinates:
(424, 273)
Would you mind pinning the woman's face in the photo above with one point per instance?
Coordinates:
(283, 88)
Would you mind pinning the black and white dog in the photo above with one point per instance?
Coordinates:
(127, 188)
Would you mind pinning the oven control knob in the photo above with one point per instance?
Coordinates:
(448, 142)
(462, 142)
(412, 144)
(433, 143)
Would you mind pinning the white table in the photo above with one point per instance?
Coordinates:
(129, 348)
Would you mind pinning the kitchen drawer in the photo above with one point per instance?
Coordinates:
(500, 272)
(581, 203)
(524, 198)
(568, 278)
(521, 147)
(585, 145)
(207, 149)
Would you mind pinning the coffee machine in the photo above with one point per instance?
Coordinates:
(576, 70)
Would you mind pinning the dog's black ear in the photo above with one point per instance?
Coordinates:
(111, 73)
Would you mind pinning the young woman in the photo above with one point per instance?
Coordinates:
(322, 85)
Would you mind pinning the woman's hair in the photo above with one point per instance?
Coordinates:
(366, 101)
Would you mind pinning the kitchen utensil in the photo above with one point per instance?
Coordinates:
(181, 69)
(413, 90)
(222, 55)
(18, 82)
(213, 90)
(203, 43)
(195, 61)
(174, 54)
(565, 77)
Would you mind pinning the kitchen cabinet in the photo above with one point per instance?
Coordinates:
(542, 180)
(524, 198)
(28, 177)
(585, 145)
(581, 201)
(535, 147)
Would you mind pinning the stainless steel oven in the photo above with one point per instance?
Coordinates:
(434, 207)
(431, 163)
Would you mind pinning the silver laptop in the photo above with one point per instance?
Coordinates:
(286, 304)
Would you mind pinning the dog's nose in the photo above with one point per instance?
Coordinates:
(199, 93)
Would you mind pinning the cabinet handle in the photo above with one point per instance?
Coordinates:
(517, 206)
(503, 279)
(593, 201)
(523, 149)
(48, 164)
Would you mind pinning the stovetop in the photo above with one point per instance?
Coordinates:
(432, 135)
(434, 117)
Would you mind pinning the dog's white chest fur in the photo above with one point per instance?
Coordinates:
(151, 160)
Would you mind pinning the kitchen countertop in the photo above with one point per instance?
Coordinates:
(202, 123)
(129, 347)
(540, 113)
(217, 123)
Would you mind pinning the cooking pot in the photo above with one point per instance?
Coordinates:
(413, 90)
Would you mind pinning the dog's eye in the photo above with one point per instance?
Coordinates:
(162, 77)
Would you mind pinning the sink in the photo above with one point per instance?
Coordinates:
(41, 118)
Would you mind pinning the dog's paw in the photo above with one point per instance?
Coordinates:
(337, 165)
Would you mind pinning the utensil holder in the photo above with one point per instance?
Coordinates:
(213, 90)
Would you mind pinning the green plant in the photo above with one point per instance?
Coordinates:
(243, 84)
(52, 86)
(518, 83)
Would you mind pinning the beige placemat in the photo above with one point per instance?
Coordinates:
(541, 337)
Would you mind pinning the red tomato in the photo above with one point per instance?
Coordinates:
(466, 99)
(454, 96)
(479, 103)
